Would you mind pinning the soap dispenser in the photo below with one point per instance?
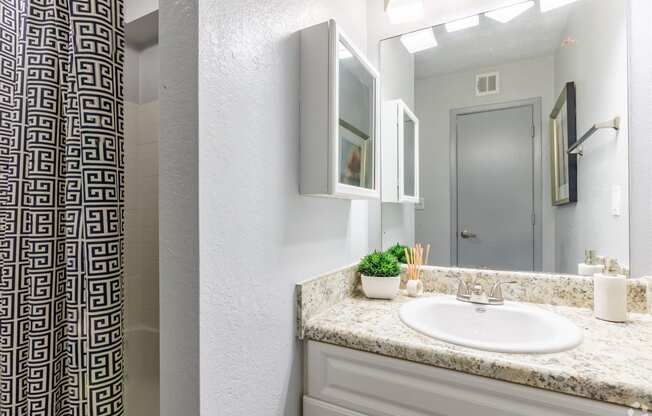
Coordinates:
(591, 264)
(610, 293)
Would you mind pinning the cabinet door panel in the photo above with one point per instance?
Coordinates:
(375, 385)
(312, 407)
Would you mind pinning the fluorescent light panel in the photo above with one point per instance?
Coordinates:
(461, 24)
(400, 11)
(505, 14)
(547, 5)
(419, 41)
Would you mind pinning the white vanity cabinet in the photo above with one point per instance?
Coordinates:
(344, 382)
(400, 153)
(339, 117)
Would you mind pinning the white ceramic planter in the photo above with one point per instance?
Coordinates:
(380, 287)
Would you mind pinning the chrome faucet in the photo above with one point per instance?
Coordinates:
(476, 293)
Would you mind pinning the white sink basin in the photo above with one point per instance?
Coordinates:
(512, 327)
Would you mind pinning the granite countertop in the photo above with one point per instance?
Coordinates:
(613, 363)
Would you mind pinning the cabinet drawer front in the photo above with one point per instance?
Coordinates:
(381, 386)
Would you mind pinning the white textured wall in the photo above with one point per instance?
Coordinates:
(597, 63)
(640, 136)
(435, 97)
(258, 236)
(178, 210)
(397, 75)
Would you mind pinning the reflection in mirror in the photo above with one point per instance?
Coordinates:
(409, 187)
(501, 99)
(355, 121)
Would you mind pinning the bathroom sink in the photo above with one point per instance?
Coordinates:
(512, 327)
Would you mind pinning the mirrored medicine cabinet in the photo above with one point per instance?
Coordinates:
(400, 153)
(339, 117)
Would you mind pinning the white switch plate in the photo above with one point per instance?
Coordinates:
(615, 201)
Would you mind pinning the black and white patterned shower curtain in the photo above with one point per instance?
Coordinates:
(61, 207)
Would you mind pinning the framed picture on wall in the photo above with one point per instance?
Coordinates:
(563, 134)
(353, 155)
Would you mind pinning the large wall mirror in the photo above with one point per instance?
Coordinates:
(523, 141)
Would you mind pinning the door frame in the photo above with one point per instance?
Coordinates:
(537, 185)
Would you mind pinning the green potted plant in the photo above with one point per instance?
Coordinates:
(380, 275)
(398, 251)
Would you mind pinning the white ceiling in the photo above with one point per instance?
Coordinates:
(490, 43)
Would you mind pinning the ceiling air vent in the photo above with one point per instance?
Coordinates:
(487, 84)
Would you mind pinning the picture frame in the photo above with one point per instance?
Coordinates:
(563, 134)
(353, 155)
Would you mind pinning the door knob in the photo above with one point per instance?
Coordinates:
(467, 234)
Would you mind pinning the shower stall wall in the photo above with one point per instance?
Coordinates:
(141, 216)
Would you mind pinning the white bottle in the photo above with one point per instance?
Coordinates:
(610, 293)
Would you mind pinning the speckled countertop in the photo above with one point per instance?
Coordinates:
(613, 363)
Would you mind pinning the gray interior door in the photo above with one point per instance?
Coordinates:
(495, 204)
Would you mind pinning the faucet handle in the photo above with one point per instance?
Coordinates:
(478, 295)
(462, 288)
(496, 291)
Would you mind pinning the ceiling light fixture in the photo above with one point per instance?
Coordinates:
(400, 11)
(343, 52)
(547, 5)
(505, 14)
(420, 40)
(461, 24)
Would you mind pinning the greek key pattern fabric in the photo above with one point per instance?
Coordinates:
(61, 207)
